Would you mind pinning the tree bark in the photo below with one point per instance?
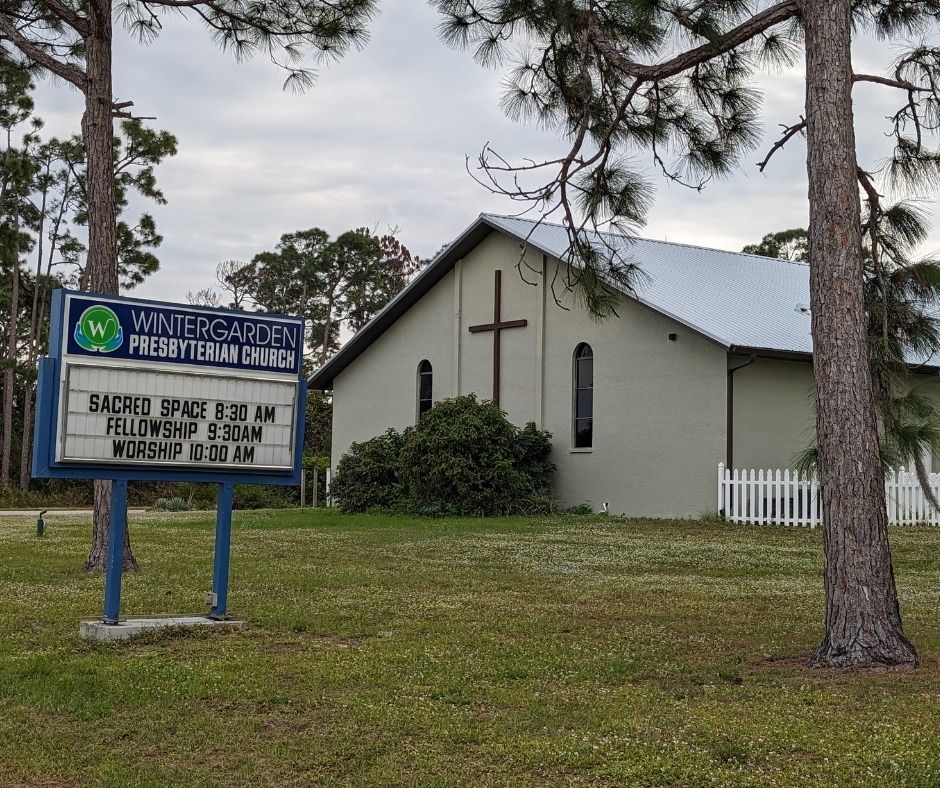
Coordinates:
(101, 269)
(26, 439)
(29, 390)
(99, 549)
(9, 374)
(863, 619)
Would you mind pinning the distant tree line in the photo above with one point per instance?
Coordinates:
(336, 284)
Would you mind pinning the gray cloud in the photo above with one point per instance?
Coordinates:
(381, 139)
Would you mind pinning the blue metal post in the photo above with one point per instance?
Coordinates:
(223, 541)
(114, 567)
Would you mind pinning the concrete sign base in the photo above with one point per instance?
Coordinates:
(130, 627)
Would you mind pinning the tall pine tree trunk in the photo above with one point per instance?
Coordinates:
(100, 274)
(9, 373)
(863, 620)
(11, 254)
(39, 322)
(101, 269)
(99, 548)
(29, 390)
(26, 438)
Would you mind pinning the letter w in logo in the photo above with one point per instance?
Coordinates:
(99, 330)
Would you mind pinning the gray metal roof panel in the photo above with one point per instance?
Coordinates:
(736, 299)
(743, 302)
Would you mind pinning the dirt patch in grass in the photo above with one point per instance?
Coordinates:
(292, 723)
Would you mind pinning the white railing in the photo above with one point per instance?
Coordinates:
(789, 498)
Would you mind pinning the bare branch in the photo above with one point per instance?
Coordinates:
(900, 84)
(789, 132)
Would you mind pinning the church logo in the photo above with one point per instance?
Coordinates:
(99, 330)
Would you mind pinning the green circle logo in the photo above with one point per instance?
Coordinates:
(99, 330)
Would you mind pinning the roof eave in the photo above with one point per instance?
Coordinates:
(804, 356)
(770, 353)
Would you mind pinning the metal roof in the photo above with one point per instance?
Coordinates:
(738, 300)
(745, 303)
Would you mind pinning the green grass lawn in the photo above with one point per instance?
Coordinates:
(491, 652)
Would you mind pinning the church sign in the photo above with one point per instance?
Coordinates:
(143, 390)
(141, 386)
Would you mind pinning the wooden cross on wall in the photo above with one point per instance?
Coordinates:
(497, 327)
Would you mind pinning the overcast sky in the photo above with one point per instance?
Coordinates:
(381, 139)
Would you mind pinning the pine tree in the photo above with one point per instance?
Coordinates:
(18, 170)
(674, 80)
(72, 39)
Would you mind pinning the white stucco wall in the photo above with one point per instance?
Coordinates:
(520, 301)
(379, 389)
(659, 418)
(775, 414)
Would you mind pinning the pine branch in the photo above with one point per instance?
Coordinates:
(757, 24)
(66, 71)
(79, 24)
(874, 213)
(900, 84)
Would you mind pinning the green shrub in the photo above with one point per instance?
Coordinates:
(367, 475)
(465, 457)
(533, 446)
(580, 509)
(536, 504)
(171, 505)
(48, 493)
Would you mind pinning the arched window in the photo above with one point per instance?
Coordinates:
(425, 387)
(583, 396)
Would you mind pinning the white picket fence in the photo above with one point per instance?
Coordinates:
(785, 497)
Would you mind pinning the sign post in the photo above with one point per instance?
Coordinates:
(151, 391)
(223, 541)
(114, 568)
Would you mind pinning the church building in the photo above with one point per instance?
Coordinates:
(708, 362)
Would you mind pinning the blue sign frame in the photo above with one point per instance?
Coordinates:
(66, 339)
(45, 439)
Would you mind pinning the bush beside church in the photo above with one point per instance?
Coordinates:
(463, 457)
